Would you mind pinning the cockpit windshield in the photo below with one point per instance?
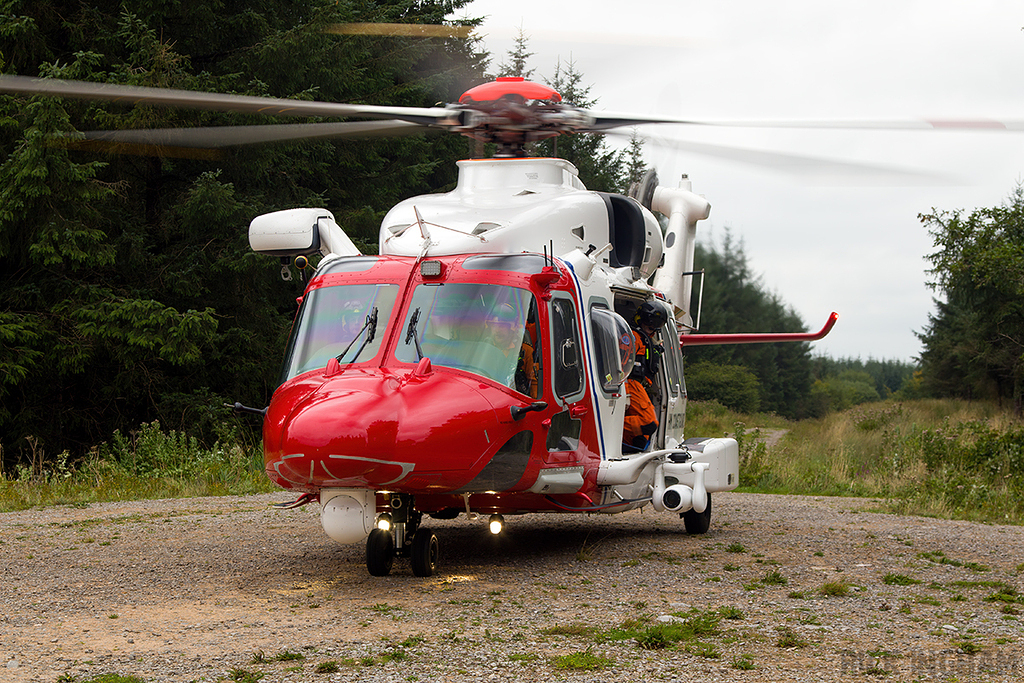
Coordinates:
(485, 329)
(333, 321)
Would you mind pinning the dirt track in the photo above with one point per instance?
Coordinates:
(191, 590)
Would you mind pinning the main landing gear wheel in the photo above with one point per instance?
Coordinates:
(380, 552)
(425, 551)
(697, 522)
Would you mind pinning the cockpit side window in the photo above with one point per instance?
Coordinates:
(566, 357)
(489, 330)
(335, 321)
(674, 357)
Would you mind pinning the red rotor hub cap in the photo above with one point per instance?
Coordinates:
(505, 86)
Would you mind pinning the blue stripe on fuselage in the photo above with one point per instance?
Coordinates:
(584, 333)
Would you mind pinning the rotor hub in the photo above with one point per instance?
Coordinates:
(512, 111)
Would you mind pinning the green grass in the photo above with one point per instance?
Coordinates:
(938, 458)
(148, 463)
(941, 458)
(789, 638)
(899, 580)
(835, 589)
(686, 628)
(582, 661)
(743, 663)
(288, 656)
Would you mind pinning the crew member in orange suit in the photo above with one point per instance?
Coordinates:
(641, 420)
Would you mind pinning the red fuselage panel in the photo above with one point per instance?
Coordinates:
(375, 428)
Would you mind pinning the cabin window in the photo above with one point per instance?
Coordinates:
(673, 358)
(614, 347)
(336, 322)
(489, 330)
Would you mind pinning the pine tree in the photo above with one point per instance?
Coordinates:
(974, 342)
(735, 301)
(128, 291)
(600, 167)
(518, 57)
(636, 166)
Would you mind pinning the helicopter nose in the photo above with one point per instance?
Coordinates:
(384, 431)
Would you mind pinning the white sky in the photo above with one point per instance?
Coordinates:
(829, 245)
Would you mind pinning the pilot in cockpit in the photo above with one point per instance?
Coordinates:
(506, 331)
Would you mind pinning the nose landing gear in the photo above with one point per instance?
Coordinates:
(404, 538)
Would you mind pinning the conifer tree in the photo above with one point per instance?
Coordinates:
(128, 292)
(974, 342)
(518, 57)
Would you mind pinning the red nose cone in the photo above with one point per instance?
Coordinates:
(382, 430)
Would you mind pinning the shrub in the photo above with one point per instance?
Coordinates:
(733, 386)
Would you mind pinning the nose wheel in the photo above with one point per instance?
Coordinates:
(425, 551)
(404, 538)
(380, 552)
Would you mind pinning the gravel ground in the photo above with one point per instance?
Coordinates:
(226, 589)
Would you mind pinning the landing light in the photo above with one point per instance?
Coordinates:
(384, 522)
(496, 524)
(430, 268)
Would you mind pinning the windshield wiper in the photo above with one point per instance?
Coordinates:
(410, 334)
(371, 327)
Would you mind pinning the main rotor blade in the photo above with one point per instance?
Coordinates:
(404, 30)
(1009, 125)
(216, 137)
(811, 168)
(207, 143)
(607, 120)
(602, 121)
(241, 104)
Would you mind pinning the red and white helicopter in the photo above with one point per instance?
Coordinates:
(477, 363)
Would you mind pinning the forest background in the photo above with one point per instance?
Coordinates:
(129, 295)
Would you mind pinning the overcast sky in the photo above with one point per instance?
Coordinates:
(837, 241)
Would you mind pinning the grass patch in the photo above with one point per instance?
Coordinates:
(1007, 594)
(288, 656)
(730, 612)
(789, 638)
(705, 650)
(899, 580)
(687, 627)
(936, 458)
(582, 661)
(147, 463)
(835, 589)
(968, 647)
(774, 578)
(743, 663)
